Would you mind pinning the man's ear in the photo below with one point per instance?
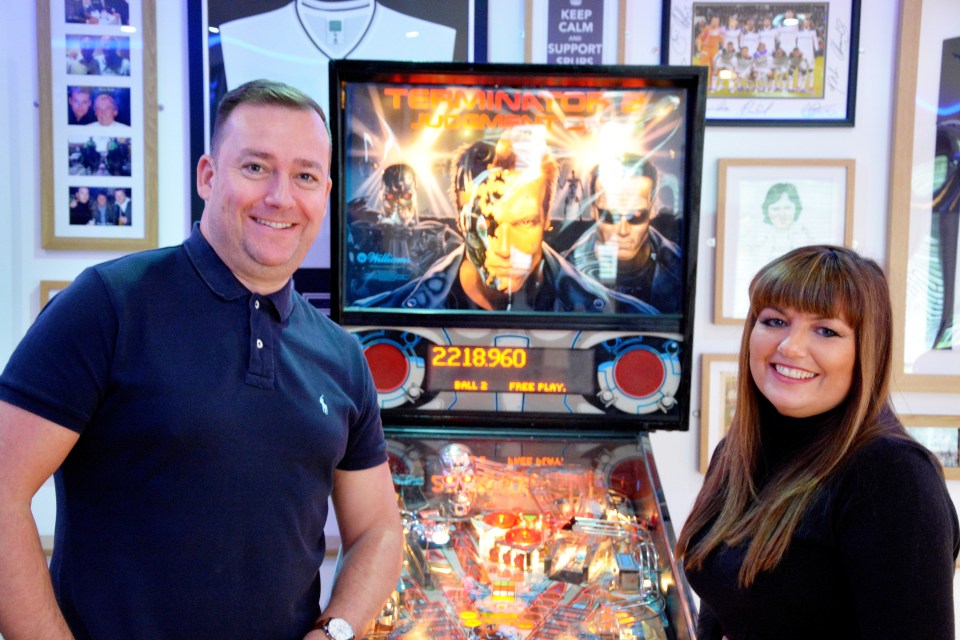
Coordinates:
(205, 175)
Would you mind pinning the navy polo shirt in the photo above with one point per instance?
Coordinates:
(210, 420)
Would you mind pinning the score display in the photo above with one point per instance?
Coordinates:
(510, 369)
(454, 371)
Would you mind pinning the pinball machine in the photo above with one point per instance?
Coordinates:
(516, 256)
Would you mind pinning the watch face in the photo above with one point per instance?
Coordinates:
(339, 629)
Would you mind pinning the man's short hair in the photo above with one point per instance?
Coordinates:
(263, 93)
(103, 97)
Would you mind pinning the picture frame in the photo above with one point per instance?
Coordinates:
(763, 88)
(939, 434)
(227, 47)
(718, 396)
(98, 124)
(766, 207)
(923, 219)
(584, 32)
(50, 288)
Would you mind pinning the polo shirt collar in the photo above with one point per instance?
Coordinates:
(221, 280)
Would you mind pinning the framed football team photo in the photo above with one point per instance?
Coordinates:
(925, 200)
(766, 207)
(718, 400)
(941, 435)
(770, 63)
(98, 114)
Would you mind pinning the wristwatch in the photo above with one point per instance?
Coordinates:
(335, 628)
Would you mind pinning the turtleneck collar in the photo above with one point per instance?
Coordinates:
(783, 437)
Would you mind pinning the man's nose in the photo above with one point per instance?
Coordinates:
(280, 194)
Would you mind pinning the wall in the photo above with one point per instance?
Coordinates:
(23, 263)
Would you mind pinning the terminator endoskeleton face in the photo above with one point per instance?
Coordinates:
(399, 192)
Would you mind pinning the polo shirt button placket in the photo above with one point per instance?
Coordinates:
(256, 305)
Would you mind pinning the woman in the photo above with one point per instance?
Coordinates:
(819, 516)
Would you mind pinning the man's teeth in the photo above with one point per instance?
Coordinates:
(796, 374)
(275, 225)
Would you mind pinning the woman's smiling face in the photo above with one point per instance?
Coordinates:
(801, 362)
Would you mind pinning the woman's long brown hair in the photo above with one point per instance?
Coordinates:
(830, 282)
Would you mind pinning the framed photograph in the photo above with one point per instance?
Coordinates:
(575, 32)
(98, 124)
(718, 399)
(770, 63)
(50, 288)
(925, 200)
(766, 207)
(941, 435)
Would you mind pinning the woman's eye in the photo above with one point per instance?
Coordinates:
(826, 332)
(773, 322)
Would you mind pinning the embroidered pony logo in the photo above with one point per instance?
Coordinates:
(323, 405)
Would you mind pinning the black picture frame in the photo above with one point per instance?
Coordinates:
(776, 96)
(204, 17)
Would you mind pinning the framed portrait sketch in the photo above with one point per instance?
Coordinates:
(718, 399)
(98, 124)
(766, 207)
(941, 435)
(925, 199)
(770, 63)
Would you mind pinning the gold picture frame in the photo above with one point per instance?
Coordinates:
(50, 288)
(767, 206)
(718, 396)
(939, 434)
(917, 242)
(98, 125)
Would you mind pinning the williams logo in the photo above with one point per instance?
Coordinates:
(372, 257)
(323, 405)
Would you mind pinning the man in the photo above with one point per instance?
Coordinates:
(80, 207)
(123, 206)
(504, 264)
(105, 110)
(80, 102)
(623, 251)
(103, 210)
(197, 411)
(723, 65)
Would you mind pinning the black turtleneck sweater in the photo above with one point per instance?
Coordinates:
(873, 556)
